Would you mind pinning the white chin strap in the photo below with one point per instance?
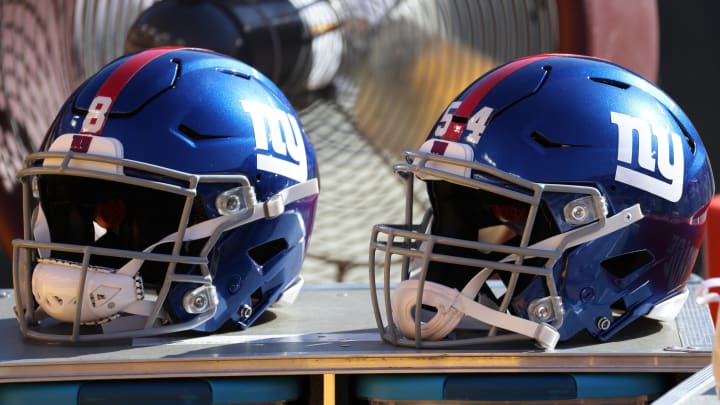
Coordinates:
(445, 300)
(109, 292)
(452, 305)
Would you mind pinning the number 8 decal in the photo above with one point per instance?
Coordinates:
(95, 118)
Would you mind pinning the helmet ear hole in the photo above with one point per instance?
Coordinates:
(623, 265)
(261, 254)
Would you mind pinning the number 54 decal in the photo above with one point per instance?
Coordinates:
(475, 125)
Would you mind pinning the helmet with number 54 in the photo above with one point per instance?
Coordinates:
(567, 195)
(175, 190)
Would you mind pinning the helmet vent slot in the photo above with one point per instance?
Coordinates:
(688, 138)
(195, 136)
(234, 72)
(546, 142)
(261, 254)
(610, 82)
(619, 308)
(625, 264)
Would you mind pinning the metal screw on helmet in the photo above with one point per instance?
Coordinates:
(232, 203)
(246, 311)
(542, 313)
(200, 300)
(546, 309)
(235, 200)
(583, 210)
(579, 212)
(603, 323)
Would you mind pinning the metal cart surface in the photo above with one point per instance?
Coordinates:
(327, 344)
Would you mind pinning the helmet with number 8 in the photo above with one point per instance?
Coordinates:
(175, 190)
(568, 196)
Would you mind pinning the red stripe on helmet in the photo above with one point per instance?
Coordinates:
(119, 78)
(491, 81)
(488, 83)
(454, 131)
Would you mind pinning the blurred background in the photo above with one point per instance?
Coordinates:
(367, 77)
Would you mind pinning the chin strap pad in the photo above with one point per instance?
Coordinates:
(451, 305)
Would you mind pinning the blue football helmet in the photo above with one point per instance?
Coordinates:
(175, 190)
(567, 194)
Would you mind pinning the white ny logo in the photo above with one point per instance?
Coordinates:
(278, 141)
(670, 186)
